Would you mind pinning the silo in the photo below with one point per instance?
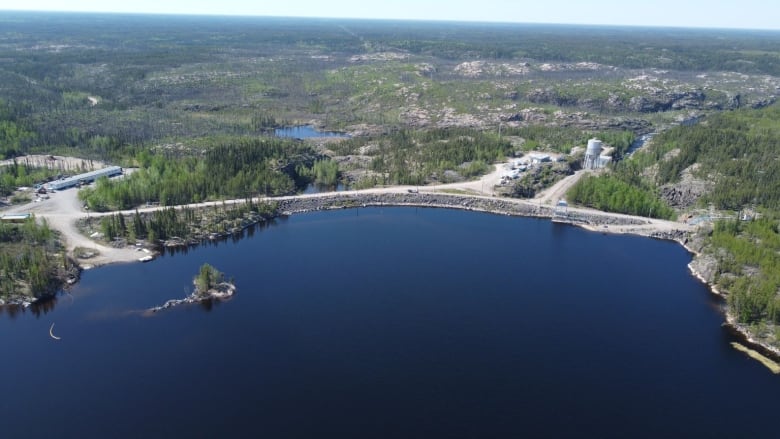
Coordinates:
(592, 154)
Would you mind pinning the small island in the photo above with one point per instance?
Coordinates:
(210, 284)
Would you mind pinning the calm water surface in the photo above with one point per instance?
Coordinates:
(305, 131)
(394, 322)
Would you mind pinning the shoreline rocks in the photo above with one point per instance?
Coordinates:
(222, 291)
(704, 267)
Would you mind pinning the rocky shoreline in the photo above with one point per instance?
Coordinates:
(703, 268)
(499, 206)
(447, 201)
(592, 221)
(699, 266)
(65, 278)
(221, 291)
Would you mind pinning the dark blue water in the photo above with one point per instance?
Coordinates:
(305, 131)
(395, 322)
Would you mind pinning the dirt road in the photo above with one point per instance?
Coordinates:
(63, 209)
(558, 191)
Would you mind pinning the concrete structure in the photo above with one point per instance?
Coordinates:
(561, 212)
(561, 208)
(88, 177)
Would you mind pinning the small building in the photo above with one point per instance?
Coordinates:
(561, 211)
(15, 217)
(602, 161)
(561, 207)
(540, 158)
(85, 178)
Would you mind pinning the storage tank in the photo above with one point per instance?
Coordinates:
(594, 147)
(592, 154)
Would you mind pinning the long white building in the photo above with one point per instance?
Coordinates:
(87, 177)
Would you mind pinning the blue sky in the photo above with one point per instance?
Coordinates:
(746, 14)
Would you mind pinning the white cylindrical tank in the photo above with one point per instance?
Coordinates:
(594, 148)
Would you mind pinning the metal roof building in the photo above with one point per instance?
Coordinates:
(88, 177)
(15, 217)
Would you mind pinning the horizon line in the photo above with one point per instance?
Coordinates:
(419, 20)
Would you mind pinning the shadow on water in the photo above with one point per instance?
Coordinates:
(44, 306)
(247, 232)
(37, 309)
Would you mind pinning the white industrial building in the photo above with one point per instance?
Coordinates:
(87, 177)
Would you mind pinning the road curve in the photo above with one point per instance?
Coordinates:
(63, 209)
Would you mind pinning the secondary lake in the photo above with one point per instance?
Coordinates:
(304, 132)
(390, 322)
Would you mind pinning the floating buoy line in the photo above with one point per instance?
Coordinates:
(52, 333)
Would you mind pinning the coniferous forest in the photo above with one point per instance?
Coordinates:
(189, 106)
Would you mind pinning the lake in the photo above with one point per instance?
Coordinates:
(308, 131)
(305, 131)
(391, 322)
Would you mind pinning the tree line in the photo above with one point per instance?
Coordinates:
(737, 149)
(749, 268)
(737, 152)
(231, 168)
(612, 194)
(32, 260)
(185, 223)
(407, 156)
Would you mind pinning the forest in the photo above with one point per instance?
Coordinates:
(109, 86)
(229, 168)
(32, 262)
(736, 152)
(186, 225)
(749, 269)
(613, 194)
(189, 106)
(428, 156)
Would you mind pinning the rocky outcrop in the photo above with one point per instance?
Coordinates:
(412, 199)
(651, 102)
(681, 196)
(761, 103)
(665, 101)
(378, 56)
(705, 267)
(672, 235)
(550, 96)
(221, 291)
(476, 69)
(465, 202)
(687, 191)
